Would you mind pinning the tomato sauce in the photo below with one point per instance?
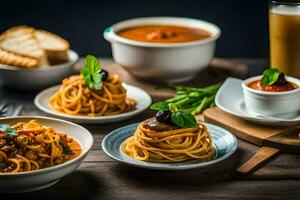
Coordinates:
(164, 34)
(273, 88)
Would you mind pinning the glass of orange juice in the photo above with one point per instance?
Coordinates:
(284, 28)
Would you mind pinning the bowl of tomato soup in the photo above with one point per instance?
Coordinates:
(274, 100)
(163, 48)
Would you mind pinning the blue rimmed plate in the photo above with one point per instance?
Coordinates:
(224, 142)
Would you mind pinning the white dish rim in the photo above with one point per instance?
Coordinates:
(111, 32)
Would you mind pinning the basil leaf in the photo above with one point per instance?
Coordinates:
(91, 73)
(270, 77)
(8, 130)
(183, 119)
(160, 106)
(67, 151)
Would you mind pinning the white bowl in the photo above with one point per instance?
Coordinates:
(162, 61)
(39, 179)
(37, 78)
(274, 104)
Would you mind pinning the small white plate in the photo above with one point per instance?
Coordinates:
(231, 100)
(142, 97)
(224, 142)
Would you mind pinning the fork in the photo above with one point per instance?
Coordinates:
(3, 108)
(9, 109)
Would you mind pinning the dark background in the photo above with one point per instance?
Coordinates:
(244, 24)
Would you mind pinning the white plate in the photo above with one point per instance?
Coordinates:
(37, 78)
(42, 178)
(231, 100)
(142, 97)
(224, 142)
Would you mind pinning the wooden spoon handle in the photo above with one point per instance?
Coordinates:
(261, 157)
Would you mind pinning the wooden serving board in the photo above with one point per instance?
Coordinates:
(272, 139)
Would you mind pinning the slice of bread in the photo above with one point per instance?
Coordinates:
(51, 41)
(9, 58)
(25, 46)
(55, 46)
(21, 40)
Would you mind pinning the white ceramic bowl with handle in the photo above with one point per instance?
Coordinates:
(37, 78)
(162, 61)
(42, 178)
(273, 104)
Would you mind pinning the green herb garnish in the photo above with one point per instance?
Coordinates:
(180, 118)
(183, 119)
(190, 99)
(160, 106)
(7, 129)
(67, 151)
(91, 73)
(270, 77)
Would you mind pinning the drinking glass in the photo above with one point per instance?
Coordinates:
(284, 30)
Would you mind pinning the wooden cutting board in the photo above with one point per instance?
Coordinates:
(272, 139)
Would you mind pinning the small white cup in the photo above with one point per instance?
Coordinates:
(272, 104)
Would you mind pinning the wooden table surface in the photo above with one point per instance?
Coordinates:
(100, 177)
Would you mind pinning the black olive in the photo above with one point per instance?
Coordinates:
(164, 35)
(164, 116)
(281, 80)
(104, 74)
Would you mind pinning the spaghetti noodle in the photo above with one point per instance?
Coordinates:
(169, 145)
(75, 98)
(34, 147)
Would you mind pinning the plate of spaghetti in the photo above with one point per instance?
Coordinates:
(172, 140)
(35, 152)
(93, 96)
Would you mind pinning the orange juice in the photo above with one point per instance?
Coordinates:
(284, 27)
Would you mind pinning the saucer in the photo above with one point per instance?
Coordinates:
(230, 99)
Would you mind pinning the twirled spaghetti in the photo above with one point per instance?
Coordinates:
(34, 147)
(169, 145)
(75, 98)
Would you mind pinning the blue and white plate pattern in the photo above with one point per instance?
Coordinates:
(224, 142)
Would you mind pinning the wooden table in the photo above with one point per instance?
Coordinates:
(100, 177)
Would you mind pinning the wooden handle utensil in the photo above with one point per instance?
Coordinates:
(272, 139)
(260, 158)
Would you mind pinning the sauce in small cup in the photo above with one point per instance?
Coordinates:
(273, 88)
